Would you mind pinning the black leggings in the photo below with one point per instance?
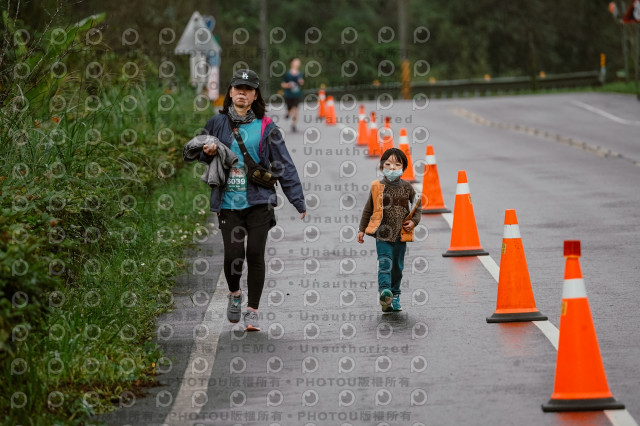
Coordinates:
(254, 223)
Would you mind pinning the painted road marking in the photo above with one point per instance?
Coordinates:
(549, 330)
(617, 417)
(448, 217)
(196, 381)
(540, 133)
(620, 418)
(605, 114)
(491, 266)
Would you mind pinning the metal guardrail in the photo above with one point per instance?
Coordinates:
(468, 87)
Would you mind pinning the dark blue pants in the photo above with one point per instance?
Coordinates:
(390, 265)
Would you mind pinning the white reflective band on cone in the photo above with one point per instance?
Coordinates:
(511, 231)
(361, 117)
(462, 188)
(431, 160)
(574, 289)
(373, 125)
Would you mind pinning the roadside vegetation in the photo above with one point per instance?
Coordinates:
(619, 87)
(96, 211)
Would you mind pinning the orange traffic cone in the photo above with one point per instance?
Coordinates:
(363, 130)
(374, 145)
(330, 112)
(515, 295)
(432, 201)
(321, 103)
(464, 233)
(386, 134)
(580, 382)
(403, 144)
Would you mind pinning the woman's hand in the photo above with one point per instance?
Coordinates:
(361, 237)
(211, 149)
(408, 225)
(302, 215)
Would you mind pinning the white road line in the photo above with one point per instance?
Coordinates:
(196, 379)
(617, 417)
(605, 114)
(448, 217)
(491, 266)
(551, 332)
(620, 417)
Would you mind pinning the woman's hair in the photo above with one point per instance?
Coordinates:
(258, 106)
(398, 154)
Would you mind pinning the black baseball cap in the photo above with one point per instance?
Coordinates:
(245, 76)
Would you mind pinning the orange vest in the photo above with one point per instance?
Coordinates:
(377, 189)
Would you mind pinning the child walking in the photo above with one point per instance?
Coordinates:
(390, 215)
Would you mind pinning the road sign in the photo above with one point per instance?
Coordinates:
(196, 37)
(209, 21)
(198, 42)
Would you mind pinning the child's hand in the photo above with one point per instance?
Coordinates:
(408, 225)
(361, 237)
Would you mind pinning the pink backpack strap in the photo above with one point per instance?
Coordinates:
(265, 121)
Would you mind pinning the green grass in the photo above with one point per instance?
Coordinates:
(619, 87)
(99, 339)
(97, 209)
(616, 87)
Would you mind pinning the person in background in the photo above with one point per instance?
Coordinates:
(292, 84)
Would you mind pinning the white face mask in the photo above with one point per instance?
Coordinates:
(392, 174)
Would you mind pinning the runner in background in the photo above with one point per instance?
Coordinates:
(292, 84)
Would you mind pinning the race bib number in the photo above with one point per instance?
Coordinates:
(237, 180)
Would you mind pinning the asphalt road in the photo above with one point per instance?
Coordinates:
(327, 355)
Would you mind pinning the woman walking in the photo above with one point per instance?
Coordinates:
(245, 209)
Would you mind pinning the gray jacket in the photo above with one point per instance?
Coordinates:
(214, 174)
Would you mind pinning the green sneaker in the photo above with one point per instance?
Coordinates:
(385, 300)
(395, 303)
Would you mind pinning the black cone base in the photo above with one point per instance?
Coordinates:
(462, 253)
(434, 211)
(517, 317)
(582, 404)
